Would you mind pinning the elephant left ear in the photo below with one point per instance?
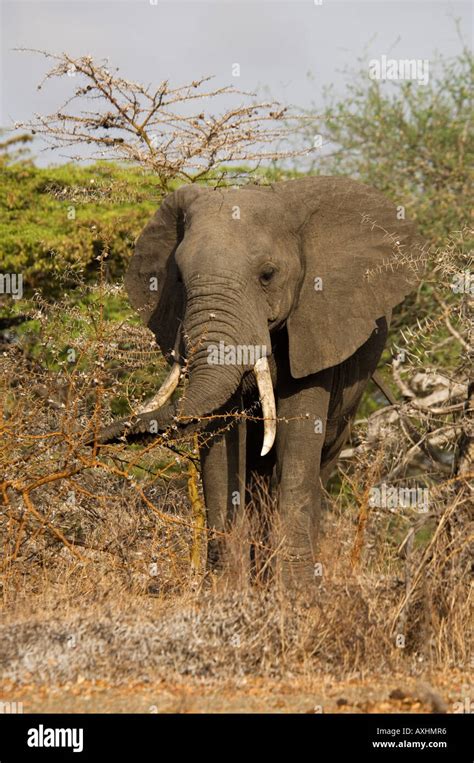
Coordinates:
(359, 258)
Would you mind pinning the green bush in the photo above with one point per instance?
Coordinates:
(56, 221)
(412, 141)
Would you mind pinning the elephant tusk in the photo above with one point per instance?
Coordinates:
(166, 390)
(267, 400)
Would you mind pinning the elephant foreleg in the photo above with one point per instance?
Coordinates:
(259, 501)
(302, 415)
(223, 477)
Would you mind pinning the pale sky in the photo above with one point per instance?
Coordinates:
(275, 43)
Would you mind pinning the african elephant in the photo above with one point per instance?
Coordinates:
(279, 298)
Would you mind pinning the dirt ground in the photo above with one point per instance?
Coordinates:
(395, 694)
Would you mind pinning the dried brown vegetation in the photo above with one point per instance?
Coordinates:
(102, 567)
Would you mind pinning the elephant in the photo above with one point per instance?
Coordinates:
(278, 299)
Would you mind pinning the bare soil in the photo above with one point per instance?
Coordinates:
(324, 694)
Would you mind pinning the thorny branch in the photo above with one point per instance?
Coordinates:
(162, 128)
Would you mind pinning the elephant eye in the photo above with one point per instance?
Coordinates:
(266, 274)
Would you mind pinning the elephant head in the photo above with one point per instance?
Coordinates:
(325, 256)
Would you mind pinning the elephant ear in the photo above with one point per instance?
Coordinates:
(359, 261)
(152, 281)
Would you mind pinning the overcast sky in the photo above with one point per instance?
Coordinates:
(275, 43)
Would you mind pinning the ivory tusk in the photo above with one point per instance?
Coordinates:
(166, 390)
(267, 400)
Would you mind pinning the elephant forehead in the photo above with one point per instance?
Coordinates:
(255, 208)
(213, 238)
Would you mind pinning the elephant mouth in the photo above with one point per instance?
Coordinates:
(261, 372)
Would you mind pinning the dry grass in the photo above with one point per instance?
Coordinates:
(101, 576)
(134, 609)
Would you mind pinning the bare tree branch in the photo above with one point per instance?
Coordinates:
(159, 127)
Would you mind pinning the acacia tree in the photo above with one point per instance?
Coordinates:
(411, 141)
(163, 128)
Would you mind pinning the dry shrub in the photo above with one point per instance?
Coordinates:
(109, 618)
(102, 569)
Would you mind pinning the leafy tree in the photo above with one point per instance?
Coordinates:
(411, 141)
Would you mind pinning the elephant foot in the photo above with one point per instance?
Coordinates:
(296, 543)
(297, 575)
(215, 555)
(220, 560)
(296, 569)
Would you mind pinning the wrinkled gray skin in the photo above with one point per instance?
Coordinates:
(240, 266)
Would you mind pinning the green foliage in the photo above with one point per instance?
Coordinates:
(15, 149)
(411, 141)
(56, 222)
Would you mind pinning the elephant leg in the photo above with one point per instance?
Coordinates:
(259, 500)
(223, 477)
(331, 455)
(302, 415)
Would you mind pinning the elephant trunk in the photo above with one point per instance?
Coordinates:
(223, 336)
(215, 322)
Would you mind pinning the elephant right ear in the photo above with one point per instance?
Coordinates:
(152, 281)
(359, 258)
